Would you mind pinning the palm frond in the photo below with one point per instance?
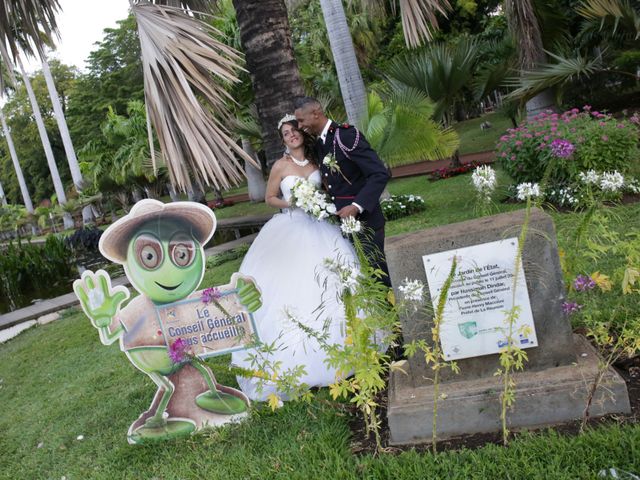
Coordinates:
(419, 18)
(401, 130)
(180, 56)
(564, 71)
(26, 26)
(612, 16)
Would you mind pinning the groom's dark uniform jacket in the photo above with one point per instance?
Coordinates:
(361, 178)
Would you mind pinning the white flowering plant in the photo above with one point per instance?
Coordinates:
(398, 206)
(310, 199)
(484, 181)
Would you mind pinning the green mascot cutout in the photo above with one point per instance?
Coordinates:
(170, 327)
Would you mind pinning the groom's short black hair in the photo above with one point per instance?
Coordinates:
(302, 102)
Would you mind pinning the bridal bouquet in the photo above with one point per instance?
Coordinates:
(311, 200)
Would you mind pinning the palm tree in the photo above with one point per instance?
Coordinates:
(442, 72)
(418, 18)
(266, 40)
(3, 198)
(44, 137)
(354, 94)
(400, 128)
(87, 214)
(26, 198)
(605, 21)
(525, 28)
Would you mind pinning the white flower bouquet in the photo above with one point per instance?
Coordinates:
(311, 200)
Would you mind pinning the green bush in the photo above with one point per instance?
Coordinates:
(399, 206)
(27, 267)
(567, 144)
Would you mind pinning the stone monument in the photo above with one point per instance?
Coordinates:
(555, 381)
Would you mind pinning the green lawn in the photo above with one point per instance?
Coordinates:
(473, 139)
(58, 382)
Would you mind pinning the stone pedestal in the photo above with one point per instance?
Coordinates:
(552, 387)
(545, 397)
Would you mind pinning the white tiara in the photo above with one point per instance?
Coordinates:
(287, 118)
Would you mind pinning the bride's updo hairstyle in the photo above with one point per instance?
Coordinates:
(309, 141)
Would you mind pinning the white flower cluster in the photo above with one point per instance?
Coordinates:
(633, 186)
(565, 197)
(412, 290)
(311, 200)
(607, 181)
(611, 181)
(484, 180)
(348, 274)
(350, 225)
(590, 177)
(528, 190)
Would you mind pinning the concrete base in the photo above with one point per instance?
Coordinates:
(545, 397)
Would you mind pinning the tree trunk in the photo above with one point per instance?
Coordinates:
(3, 198)
(44, 137)
(255, 180)
(526, 30)
(87, 214)
(16, 165)
(195, 193)
(354, 94)
(266, 41)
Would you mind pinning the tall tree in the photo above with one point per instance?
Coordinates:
(354, 94)
(46, 144)
(16, 164)
(525, 29)
(74, 168)
(266, 41)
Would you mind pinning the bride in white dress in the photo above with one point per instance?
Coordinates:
(286, 260)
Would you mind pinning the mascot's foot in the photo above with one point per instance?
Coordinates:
(220, 402)
(154, 431)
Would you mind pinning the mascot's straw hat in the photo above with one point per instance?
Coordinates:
(198, 220)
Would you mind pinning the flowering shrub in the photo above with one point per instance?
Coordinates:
(568, 143)
(399, 206)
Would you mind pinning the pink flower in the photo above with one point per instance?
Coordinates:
(178, 351)
(604, 138)
(210, 294)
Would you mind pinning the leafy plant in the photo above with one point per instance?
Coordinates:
(398, 206)
(401, 129)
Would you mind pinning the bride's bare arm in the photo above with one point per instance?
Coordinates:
(273, 186)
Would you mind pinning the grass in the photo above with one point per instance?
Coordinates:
(473, 139)
(57, 382)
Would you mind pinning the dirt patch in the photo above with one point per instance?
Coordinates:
(629, 369)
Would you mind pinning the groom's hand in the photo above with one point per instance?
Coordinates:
(348, 211)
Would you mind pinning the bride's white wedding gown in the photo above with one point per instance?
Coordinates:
(286, 260)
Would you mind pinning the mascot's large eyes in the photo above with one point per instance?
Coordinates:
(148, 251)
(182, 250)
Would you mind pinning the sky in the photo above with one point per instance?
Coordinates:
(81, 23)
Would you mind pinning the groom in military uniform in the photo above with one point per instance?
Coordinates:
(352, 173)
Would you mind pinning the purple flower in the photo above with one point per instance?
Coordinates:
(562, 148)
(582, 283)
(178, 351)
(210, 294)
(570, 307)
